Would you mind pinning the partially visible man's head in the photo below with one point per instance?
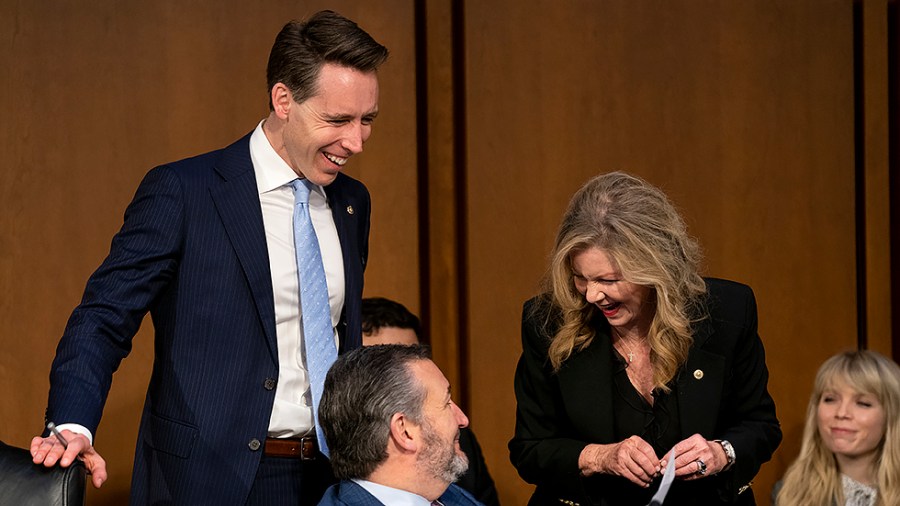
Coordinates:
(387, 322)
(303, 47)
(391, 401)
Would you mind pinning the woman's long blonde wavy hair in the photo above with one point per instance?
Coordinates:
(645, 237)
(814, 478)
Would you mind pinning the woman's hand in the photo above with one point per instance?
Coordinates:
(697, 458)
(633, 459)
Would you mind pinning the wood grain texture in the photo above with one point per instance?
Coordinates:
(876, 174)
(741, 112)
(93, 97)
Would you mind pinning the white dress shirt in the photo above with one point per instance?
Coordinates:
(292, 414)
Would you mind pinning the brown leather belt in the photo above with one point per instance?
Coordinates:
(304, 448)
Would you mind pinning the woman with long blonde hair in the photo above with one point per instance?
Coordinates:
(850, 455)
(630, 358)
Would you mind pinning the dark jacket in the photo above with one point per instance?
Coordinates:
(721, 390)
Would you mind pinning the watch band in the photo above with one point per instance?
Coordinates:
(729, 452)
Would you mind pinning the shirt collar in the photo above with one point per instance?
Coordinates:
(393, 496)
(271, 170)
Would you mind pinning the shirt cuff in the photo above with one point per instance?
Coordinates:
(77, 429)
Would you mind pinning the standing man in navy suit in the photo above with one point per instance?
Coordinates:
(393, 430)
(207, 247)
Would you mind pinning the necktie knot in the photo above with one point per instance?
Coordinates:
(301, 191)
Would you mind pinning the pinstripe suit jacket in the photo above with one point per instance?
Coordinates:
(192, 252)
(349, 493)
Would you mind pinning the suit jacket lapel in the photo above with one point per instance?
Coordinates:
(700, 385)
(339, 211)
(587, 386)
(586, 382)
(236, 199)
(345, 222)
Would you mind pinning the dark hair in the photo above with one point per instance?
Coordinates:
(378, 312)
(363, 390)
(302, 47)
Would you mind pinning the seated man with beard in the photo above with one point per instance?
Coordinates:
(385, 321)
(392, 429)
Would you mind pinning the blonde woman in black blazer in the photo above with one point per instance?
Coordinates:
(631, 358)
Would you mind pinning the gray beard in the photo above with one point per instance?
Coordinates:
(439, 460)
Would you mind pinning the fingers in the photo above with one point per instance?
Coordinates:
(695, 458)
(78, 444)
(50, 452)
(46, 450)
(96, 467)
(637, 461)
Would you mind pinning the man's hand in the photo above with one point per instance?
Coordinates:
(49, 451)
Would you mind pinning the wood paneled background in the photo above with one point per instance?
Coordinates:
(751, 115)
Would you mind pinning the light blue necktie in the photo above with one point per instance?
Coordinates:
(318, 334)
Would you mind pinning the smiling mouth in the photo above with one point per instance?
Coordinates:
(337, 160)
(610, 309)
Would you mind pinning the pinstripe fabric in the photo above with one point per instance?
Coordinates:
(192, 251)
(294, 482)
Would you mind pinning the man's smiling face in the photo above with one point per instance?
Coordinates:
(324, 131)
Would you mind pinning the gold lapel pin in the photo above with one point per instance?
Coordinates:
(349, 209)
(698, 374)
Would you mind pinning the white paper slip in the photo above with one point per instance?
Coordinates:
(667, 479)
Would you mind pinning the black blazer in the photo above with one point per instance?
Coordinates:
(192, 251)
(721, 389)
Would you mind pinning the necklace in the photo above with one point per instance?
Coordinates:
(630, 351)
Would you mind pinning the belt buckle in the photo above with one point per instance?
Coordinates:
(308, 448)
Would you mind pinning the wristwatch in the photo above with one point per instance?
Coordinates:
(729, 452)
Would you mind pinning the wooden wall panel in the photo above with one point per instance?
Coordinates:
(742, 112)
(445, 280)
(93, 97)
(876, 152)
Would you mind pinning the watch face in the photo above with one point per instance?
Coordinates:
(729, 450)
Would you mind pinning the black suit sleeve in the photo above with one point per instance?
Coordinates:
(542, 449)
(748, 417)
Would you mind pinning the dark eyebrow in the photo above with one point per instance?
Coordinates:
(337, 117)
(348, 117)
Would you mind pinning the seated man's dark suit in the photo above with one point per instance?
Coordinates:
(349, 493)
(192, 251)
